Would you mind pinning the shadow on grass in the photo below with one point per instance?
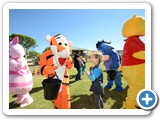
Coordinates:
(118, 96)
(87, 101)
(34, 90)
(71, 82)
(72, 76)
(12, 105)
(82, 102)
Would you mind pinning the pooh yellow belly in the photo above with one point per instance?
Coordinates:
(135, 76)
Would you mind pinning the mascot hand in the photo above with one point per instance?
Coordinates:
(139, 55)
(50, 69)
(69, 62)
(120, 68)
(13, 63)
(21, 63)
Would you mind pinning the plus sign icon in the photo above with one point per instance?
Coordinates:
(147, 99)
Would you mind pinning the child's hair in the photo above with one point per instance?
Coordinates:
(98, 55)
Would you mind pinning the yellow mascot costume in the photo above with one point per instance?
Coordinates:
(133, 59)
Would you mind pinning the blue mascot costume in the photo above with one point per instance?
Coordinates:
(112, 63)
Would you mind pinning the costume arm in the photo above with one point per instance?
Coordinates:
(95, 74)
(13, 63)
(139, 55)
(44, 68)
(116, 61)
(69, 63)
(136, 48)
(19, 64)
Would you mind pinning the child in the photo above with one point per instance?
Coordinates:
(96, 76)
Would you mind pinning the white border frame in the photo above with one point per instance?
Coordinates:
(8, 6)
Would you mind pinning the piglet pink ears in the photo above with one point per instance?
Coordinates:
(15, 40)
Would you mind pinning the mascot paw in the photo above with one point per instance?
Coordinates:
(108, 86)
(119, 89)
(50, 69)
(26, 102)
(19, 100)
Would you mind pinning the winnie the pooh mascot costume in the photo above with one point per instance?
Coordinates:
(133, 59)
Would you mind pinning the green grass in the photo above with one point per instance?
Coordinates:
(81, 97)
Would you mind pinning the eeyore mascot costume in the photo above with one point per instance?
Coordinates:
(112, 63)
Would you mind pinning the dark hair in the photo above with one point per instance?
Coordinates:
(77, 52)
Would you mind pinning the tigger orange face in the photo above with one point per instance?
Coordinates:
(60, 47)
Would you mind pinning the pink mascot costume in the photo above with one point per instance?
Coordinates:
(20, 77)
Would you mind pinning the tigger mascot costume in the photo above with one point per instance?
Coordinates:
(133, 59)
(57, 60)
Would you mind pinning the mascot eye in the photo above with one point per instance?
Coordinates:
(59, 43)
(65, 44)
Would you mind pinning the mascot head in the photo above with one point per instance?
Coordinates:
(15, 49)
(60, 47)
(105, 48)
(134, 27)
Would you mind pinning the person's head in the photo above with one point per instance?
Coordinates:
(96, 58)
(78, 52)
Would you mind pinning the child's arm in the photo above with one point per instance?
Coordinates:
(95, 74)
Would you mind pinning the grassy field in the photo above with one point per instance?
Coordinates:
(81, 97)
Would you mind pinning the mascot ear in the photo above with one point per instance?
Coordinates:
(48, 38)
(70, 43)
(15, 40)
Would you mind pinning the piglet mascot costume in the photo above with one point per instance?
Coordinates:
(20, 77)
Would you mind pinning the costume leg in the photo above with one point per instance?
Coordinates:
(28, 100)
(63, 99)
(20, 98)
(110, 83)
(135, 76)
(57, 101)
(118, 82)
(65, 102)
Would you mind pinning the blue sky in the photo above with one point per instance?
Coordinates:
(81, 26)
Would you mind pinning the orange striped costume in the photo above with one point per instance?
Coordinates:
(58, 59)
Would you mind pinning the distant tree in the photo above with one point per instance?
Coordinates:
(47, 48)
(34, 55)
(26, 41)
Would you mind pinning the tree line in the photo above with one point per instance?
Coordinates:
(28, 43)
